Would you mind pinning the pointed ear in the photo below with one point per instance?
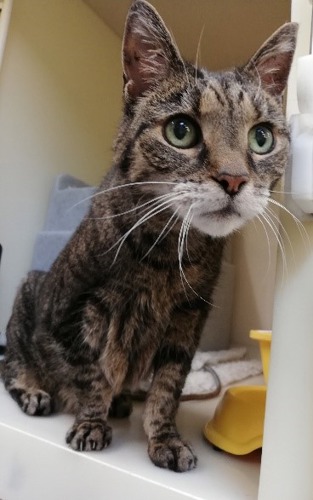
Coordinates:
(271, 63)
(149, 52)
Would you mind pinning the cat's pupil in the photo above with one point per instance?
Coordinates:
(261, 136)
(181, 129)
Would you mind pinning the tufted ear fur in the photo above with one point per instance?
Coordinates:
(149, 52)
(271, 63)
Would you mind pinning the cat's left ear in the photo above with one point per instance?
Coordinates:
(149, 52)
(271, 63)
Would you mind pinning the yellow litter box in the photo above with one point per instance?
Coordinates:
(237, 425)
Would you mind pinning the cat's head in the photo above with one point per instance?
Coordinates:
(213, 143)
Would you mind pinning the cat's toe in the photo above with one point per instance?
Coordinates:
(173, 454)
(89, 435)
(34, 402)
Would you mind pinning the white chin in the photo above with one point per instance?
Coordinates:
(217, 226)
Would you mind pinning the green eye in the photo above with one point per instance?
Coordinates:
(261, 139)
(182, 132)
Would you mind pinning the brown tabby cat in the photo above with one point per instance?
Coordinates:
(196, 156)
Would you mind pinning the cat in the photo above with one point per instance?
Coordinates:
(196, 156)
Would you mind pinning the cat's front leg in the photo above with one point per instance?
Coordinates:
(166, 448)
(90, 430)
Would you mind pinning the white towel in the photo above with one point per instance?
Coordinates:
(212, 370)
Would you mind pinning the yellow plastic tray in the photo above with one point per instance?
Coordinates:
(264, 337)
(237, 425)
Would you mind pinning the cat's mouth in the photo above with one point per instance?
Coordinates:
(218, 222)
(214, 212)
(227, 211)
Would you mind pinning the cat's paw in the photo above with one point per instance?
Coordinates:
(89, 435)
(33, 402)
(173, 454)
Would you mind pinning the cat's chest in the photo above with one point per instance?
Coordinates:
(164, 284)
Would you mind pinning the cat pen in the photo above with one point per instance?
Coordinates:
(218, 475)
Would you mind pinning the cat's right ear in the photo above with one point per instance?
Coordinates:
(271, 64)
(149, 52)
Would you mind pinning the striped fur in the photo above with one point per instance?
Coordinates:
(129, 293)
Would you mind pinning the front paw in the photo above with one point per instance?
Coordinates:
(33, 402)
(173, 454)
(89, 435)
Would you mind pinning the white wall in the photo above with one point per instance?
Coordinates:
(60, 86)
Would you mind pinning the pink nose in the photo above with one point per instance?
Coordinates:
(232, 183)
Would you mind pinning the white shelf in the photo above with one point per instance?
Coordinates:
(36, 464)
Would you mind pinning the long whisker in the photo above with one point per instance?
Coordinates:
(187, 232)
(303, 232)
(137, 207)
(155, 211)
(180, 251)
(121, 186)
(159, 238)
(279, 240)
(272, 215)
(275, 191)
(198, 53)
(182, 243)
(170, 227)
(268, 244)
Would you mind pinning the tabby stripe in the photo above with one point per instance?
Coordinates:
(126, 159)
(141, 129)
(199, 74)
(230, 105)
(217, 95)
(204, 155)
(250, 161)
(169, 354)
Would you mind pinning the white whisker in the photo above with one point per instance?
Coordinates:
(189, 221)
(154, 211)
(159, 238)
(274, 191)
(272, 215)
(153, 201)
(121, 186)
(198, 53)
(303, 232)
(170, 227)
(182, 243)
(279, 240)
(180, 251)
(268, 244)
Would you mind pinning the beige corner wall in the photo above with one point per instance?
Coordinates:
(60, 86)
(255, 258)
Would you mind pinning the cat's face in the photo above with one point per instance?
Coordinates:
(213, 144)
